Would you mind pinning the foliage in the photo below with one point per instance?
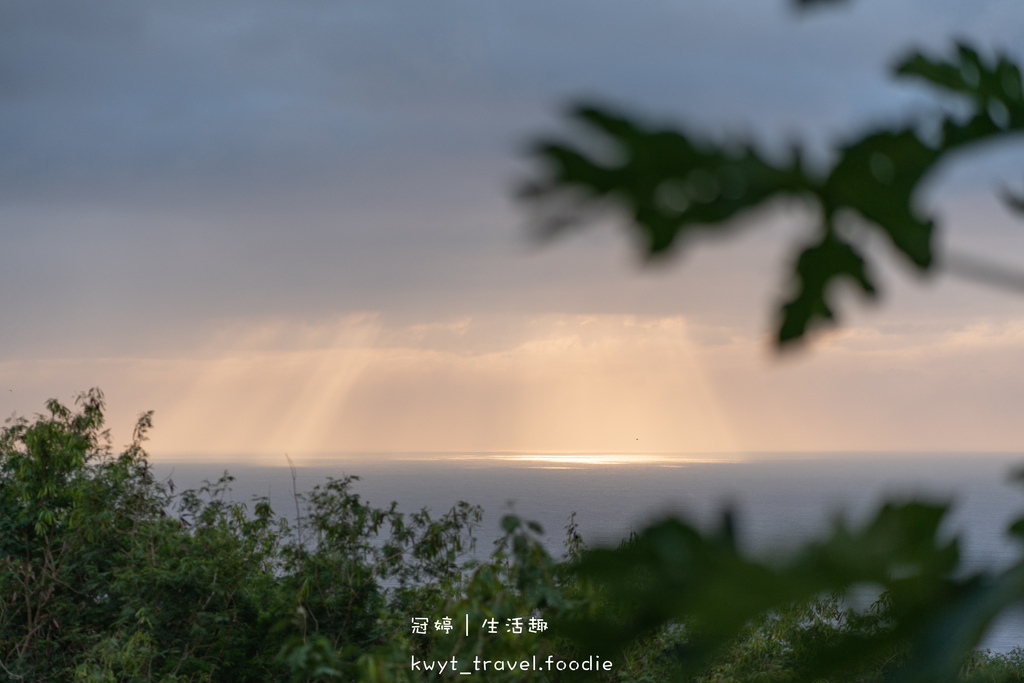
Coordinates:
(930, 618)
(727, 616)
(108, 575)
(673, 184)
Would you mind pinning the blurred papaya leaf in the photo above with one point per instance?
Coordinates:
(672, 573)
(674, 184)
(1013, 200)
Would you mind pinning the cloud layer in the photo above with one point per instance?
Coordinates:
(610, 384)
(178, 179)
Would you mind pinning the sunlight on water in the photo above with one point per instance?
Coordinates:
(583, 459)
(524, 460)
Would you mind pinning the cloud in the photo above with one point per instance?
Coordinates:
(181, 175)
(554, 383)
(591, 383)
(154, 103)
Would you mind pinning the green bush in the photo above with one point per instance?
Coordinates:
(109, 575)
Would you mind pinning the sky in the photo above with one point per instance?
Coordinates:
(292, 228)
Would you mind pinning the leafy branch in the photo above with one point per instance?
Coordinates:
(673, 184)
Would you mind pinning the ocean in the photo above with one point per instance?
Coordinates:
(779, 500)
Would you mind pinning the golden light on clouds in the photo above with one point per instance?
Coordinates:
(576, 383)
(551, 387)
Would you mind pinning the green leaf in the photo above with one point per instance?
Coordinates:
(675, 185)
(1014, 201)
(968, 74)
(816, 269)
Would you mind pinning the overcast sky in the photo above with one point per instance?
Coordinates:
(291, 227)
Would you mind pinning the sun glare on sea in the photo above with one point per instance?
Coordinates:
(597, 459)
